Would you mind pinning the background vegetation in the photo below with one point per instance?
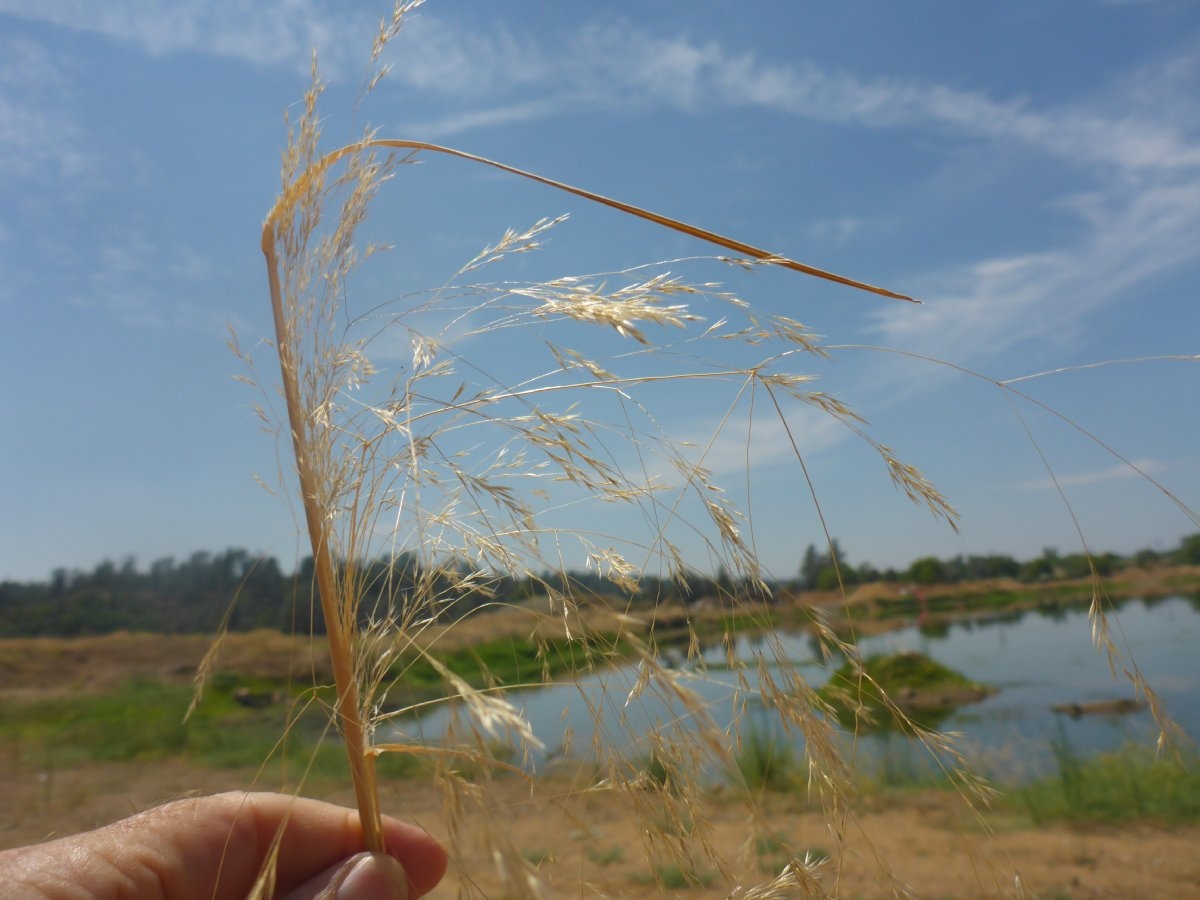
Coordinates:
(192, 596)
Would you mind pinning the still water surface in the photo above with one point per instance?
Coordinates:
(1037, 659)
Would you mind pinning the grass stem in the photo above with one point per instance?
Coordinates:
(339, 625)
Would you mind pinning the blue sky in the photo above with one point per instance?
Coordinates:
(1031, 170)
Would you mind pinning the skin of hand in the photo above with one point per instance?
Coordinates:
(212, 848)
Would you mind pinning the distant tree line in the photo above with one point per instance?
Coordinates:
(818, 571)
(171, 596)
(247, 591)
(243, 591)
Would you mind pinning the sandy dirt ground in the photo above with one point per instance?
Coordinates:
(589, 846)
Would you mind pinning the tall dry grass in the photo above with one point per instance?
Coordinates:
(479, 478)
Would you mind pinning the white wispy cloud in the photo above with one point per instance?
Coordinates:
(633, 66)
(980, 310)
(267, 33)
(738, 444)
(1136, 142)
(1119, 472)
(143, 282)
(1135, 139)
(39, 134)
(284, 33)
(837, 231)
(626, 67)
(489, 117)
(434, 54)
(618, 66)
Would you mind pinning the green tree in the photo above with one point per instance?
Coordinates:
(927, 570)
(827, 579)
(867, 573)
(1188, 553)
(814, 563)
(810, 568)
(991, 566)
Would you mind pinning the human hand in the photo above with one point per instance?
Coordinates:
(212, 848)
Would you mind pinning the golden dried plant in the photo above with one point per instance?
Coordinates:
(475, 478)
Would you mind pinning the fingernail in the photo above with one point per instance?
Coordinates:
(375, 876)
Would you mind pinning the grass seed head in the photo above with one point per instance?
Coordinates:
(422, 490)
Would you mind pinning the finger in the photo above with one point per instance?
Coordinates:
(212, 848)
(318, 835)
(366, 876)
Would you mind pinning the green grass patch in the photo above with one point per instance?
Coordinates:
(606, 856)
(506, 661)
(536, 856)
(897, 771)
(142, 720)
(1129, 784)
(658, 770)
(767, 761)
(676, 878)
(770, 844)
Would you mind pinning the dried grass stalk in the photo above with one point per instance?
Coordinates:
(367, 468)
(294, 266)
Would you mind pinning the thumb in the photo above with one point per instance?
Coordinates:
(365, 876)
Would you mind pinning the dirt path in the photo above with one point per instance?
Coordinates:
(590, 847)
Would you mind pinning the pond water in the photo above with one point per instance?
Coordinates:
(1037, 659)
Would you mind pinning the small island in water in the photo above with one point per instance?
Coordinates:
(921, 688)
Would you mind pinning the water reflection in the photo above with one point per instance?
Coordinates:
(1037, 659)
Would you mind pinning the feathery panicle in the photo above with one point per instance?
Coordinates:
(425, 487)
